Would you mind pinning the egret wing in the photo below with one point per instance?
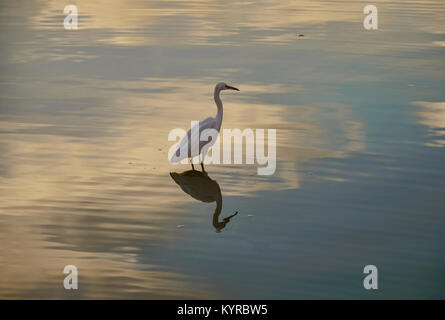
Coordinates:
(193, 135)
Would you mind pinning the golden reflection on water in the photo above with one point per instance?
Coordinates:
(212, 16)
(101, 181)
(32, 267)
(131, 137)
(135, 22)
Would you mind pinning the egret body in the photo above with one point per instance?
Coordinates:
(185, 149)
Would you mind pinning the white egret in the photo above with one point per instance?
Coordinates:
(185, 149)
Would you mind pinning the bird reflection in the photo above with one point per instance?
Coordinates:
(200, 187)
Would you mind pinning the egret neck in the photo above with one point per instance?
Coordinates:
(219, 105)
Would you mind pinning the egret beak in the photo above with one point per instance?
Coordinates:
(233, 88)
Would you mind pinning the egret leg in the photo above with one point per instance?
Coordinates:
(193, 167)
(202, 163)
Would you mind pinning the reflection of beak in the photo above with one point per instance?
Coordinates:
(227, 219)
(233, 88)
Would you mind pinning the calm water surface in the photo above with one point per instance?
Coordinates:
(84, 176)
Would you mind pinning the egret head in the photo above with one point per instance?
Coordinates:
(222, 86)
